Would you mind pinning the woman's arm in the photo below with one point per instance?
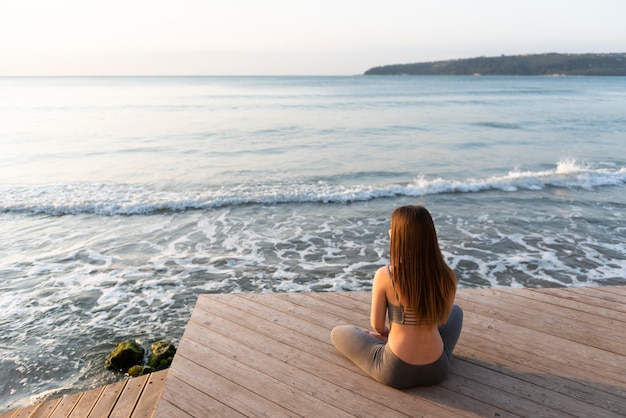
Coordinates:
(379, 301)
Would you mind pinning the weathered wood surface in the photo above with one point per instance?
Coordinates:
(522, 352)
(136, 398)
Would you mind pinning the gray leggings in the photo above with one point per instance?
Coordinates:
(377, 360)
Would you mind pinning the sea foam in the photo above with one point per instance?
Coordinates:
(121, 199)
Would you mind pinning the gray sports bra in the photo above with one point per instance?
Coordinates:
(400, 314)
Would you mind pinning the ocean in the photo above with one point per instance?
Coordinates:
(123, 198)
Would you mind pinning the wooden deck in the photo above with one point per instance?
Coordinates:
(522, 352)
(136, 398)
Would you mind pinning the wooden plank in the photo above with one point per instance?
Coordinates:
(570, 323)
(316, 340)
(25, 412)
(108, 399)
(586, 295)
(323, 310)
(466, 406)
(362, 299)
(150, 395)
(574, 314)
(283, 313)
(533, 395)
(166, 409)
(559, 302)
(514, 344)
(86, 403)
(293, 340)
(241, 369)
(215, 386)
(191, 401)
(544, 377)
(66, 406)
(102, 401)
(343, 306)
(524, 362)
(501, 400)
(574, 382)
(614, 290)
(46, 408)
(129, 397)
(616, 299)
(604, 396)
(535, 316)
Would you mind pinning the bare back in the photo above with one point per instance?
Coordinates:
(414, 344)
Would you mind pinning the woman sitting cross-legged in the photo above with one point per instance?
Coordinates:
(417, 292)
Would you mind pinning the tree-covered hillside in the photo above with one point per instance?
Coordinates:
(537, 64)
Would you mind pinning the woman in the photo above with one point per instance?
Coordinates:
(417, 292)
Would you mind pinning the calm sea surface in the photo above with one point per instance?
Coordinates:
(122, 199)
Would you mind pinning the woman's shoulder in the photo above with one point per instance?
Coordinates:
(382, 272)
(381, 278)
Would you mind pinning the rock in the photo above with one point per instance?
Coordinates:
(125, 355)
(161, 355)
(136, 371)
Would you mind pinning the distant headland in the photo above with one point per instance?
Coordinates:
(613, 64)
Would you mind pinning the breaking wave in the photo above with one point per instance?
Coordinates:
(119, 199)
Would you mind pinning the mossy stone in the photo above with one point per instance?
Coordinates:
(137, 371)
(125, 355)
(161, 355)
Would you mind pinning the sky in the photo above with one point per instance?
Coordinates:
(290, 37)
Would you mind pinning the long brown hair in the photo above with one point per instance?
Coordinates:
(420, 274)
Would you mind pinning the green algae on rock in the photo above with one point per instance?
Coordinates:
(161, 355)
(126, 354)
(138, 370)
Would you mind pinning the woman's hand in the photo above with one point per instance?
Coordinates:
(382, 336)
